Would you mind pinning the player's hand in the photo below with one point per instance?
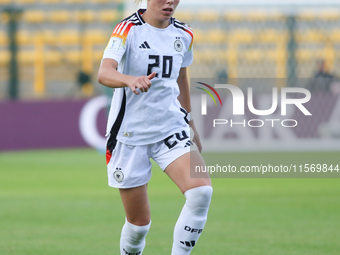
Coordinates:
(143, 83)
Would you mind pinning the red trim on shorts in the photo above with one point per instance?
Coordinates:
(108, 156)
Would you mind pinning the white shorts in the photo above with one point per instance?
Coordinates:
(129, 166)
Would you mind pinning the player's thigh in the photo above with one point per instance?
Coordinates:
(136, 205)
(179, 171)
(129, 169)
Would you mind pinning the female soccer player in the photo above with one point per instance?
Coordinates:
(146, 62)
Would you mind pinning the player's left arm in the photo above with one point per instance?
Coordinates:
(184, 99)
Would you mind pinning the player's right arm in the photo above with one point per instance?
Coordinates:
(113, 53)
(110, 77)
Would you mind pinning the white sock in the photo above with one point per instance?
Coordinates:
(132, 240)
(192, 219)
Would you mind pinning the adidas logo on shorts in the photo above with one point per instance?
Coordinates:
(188, 143)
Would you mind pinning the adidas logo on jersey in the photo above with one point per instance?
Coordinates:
(144, 45)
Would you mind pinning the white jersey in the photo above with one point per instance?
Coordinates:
(141, 49)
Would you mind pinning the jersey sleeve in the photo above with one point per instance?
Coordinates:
(116, 47)
(189, 54)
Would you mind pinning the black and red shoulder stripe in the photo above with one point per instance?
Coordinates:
(185, 28)
(122, 29)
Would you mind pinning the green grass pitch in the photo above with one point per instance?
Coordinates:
(57, 202)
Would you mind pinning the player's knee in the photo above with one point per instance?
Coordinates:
(139, 220)
(137, 233)
(199, 198)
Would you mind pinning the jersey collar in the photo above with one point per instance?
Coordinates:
(139, 14)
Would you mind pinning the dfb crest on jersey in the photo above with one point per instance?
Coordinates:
(118, 175)
(178, 45)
